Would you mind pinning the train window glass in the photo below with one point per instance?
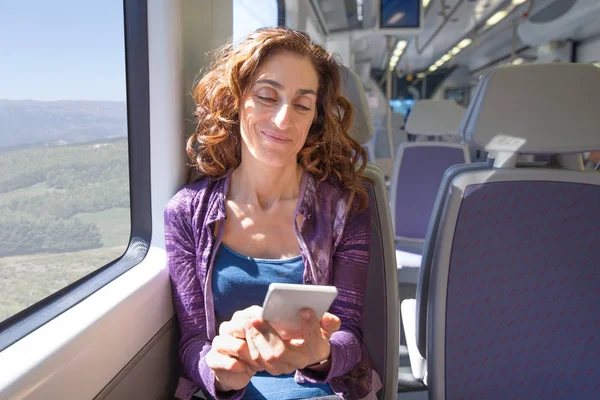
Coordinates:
(249, 15)
(64, 185)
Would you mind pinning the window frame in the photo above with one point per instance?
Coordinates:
(280, 12)
(135, 18)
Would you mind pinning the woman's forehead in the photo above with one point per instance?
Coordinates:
(289, 71)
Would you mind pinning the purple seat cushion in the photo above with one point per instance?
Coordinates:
(523, 301)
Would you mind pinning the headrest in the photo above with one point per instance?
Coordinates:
(353, 89)
(434, 118)
(536, 109)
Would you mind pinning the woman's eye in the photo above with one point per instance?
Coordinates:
(266, 99)
(302, 108)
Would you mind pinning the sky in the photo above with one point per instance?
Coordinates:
(62, 50)
(74, 49)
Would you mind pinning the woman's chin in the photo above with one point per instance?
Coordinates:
(275, 159)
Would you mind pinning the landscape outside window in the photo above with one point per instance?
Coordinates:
(64, 168)
(64, 181)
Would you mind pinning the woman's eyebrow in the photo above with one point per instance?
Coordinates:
(278, 85)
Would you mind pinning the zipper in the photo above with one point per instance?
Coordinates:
(209, 307)
(305, 253)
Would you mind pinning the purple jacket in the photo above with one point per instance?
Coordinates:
(335, 250)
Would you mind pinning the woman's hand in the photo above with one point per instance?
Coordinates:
(229, 357)
(236, 327)
(278, 356)
(230, 372)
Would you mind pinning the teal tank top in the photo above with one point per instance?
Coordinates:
(240, 282)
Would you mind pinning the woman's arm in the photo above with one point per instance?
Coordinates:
(350, 263)
(188, 297)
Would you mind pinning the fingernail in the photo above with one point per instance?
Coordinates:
(305, 315)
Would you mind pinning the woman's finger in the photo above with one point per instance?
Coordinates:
(222, 362)
(236, 326)
(330, 324)
(233, 328)
(247, 313)
(274, 354)
(236, 348)
(254, 354)
(310, 326)
(316, 339)
(266, 342)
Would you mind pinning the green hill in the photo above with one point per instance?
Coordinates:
(44, 191)
(64, 195)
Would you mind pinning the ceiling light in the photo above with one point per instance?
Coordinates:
(518, 61)
(398, 51)
(464, 43)
(494, 19)
(425, 3)
(359, 9)
(446, 57)
(455, 50)
(433, 68)
(421, 75)
(518, 2)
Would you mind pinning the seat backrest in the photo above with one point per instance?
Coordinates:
(381, 141)
(513, 293)
(435, 118)
(422, 295)
(418, 171)
(420, 166)
(380, 318)
(381, 314)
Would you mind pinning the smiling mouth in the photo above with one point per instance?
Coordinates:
(275, 137)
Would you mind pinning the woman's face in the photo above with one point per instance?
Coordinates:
(277, 112)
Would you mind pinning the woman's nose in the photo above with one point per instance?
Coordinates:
(282, 117)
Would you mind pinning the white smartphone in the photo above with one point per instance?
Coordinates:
(284, 301)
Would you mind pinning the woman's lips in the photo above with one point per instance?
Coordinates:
(275, 137)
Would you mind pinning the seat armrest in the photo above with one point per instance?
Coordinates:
(418, 364)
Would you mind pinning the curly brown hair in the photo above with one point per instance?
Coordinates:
(329, 152)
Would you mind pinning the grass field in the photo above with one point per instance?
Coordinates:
(114, 225)
(25, 280)
(83, 177)
(30, 191)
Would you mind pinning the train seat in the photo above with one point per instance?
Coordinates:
(418, 171)
(381, 315)
(508, 300)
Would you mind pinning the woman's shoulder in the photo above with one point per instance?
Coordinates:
(192, 196)
(332, 191)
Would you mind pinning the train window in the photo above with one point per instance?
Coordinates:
(64, 186)
(249, 15)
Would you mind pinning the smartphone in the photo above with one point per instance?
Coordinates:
(284, 301)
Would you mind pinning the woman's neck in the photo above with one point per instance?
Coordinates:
(263, 185)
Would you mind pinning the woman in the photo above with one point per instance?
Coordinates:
(280, 199)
